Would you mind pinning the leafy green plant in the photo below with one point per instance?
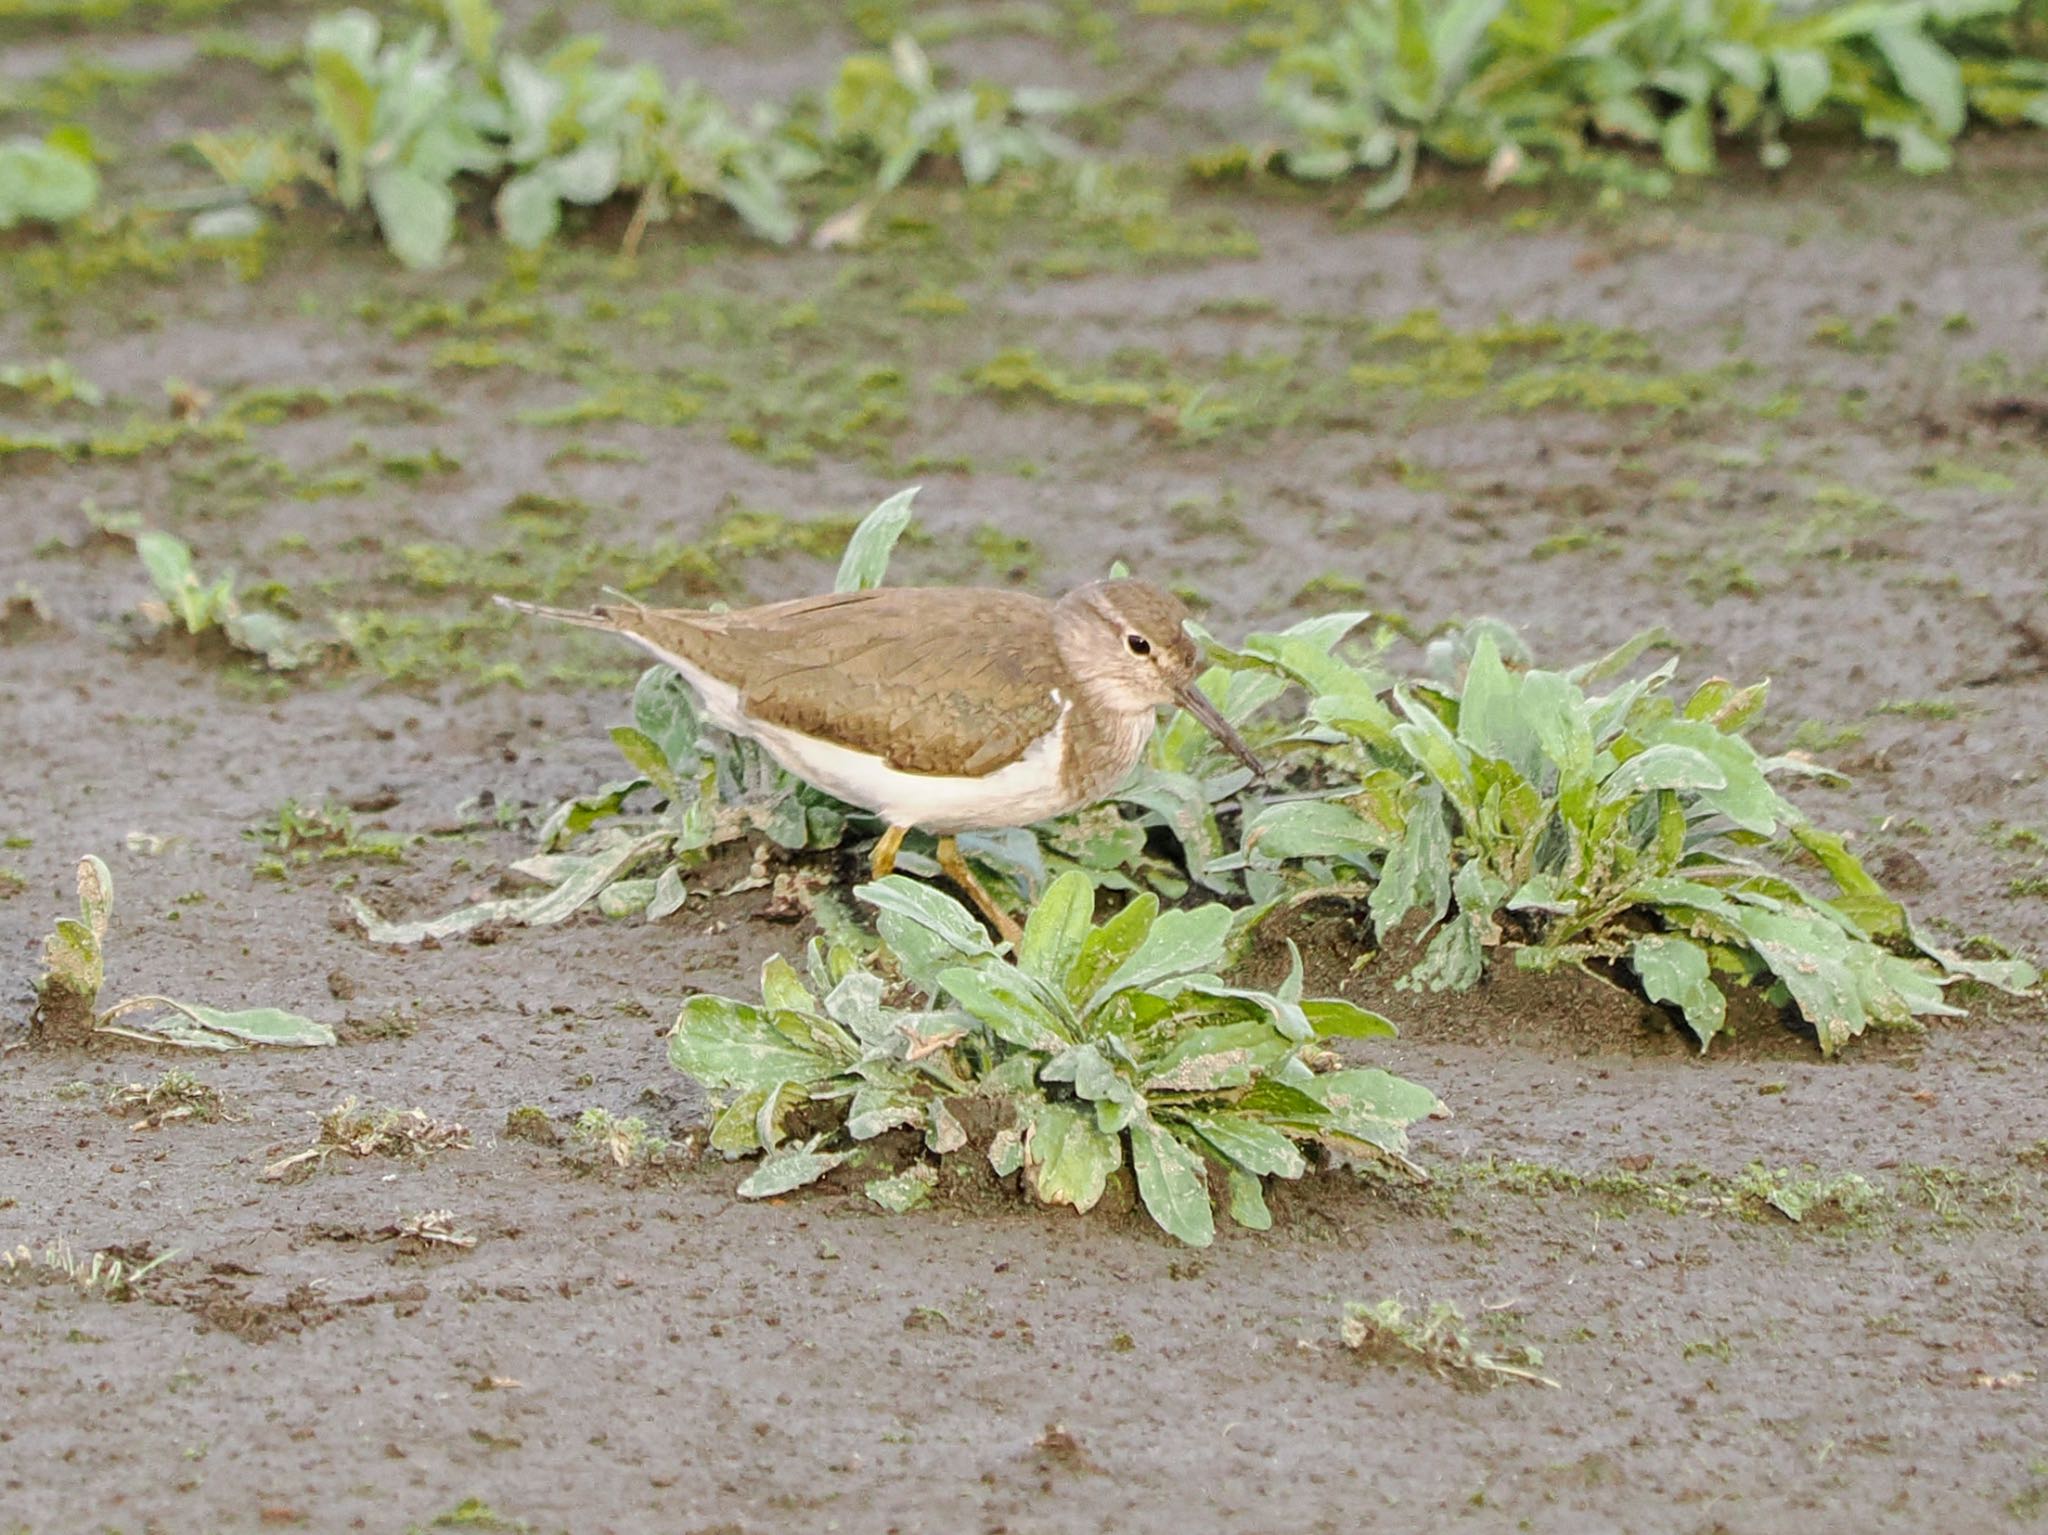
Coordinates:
(198, 608)
(890, 108)
(887, 110)
(50, 180)
(406, 120)
(1619, 831)
(401, 125)
(1522, 86)
(74, 968)
(1100, 1046)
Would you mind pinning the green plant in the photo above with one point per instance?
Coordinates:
(174, 1096)
(185, 602)
(49, 180)
(1100, 1045)
(1513, 807)
(1522, 86)
(888, 109)
(1438, 1339)
(405, 120)
(74, 968)
(623, 1142)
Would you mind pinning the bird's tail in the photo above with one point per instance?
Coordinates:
(585, 618)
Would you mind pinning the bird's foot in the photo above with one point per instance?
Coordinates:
(957, 870)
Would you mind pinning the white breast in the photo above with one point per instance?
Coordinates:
(1017, 794)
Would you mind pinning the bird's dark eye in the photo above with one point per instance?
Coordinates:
(1140, 646)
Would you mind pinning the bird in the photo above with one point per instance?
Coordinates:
(944, 709)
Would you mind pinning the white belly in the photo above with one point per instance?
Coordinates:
(1017, 794)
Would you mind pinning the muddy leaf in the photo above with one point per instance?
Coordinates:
(1248, 1201)
(908, 1190)
(210, 1028)
(582, 886)
(724, 1043)
(455, 923)
(1066, 1158)
(625, 897)
(1313, 829)
(669, 894)
(781, 987)
(791, 1168)
(1662, 767)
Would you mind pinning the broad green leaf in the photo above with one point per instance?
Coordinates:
(168, 560)
(1067, 1160)
(1803, 78)
(665, 712)
(1675, 970)
(1255, 1147)
(1746, 799)
(1108, 946)
(528, 209)
(625, 897)
(875, 1110)
(1927, 73)
(782, 989)
(1662, 767)
(1492, 718)
(1294, 829)
(865, 563)
(669, 894)
(45, 180)
(1334, 1018)
(1173, 1183)
(791, 1168)
(1003, 998)
(1688, 140)
(723, 1043)
(417, 215)
(189, 1023)
(1374, 1106)
(1417, 871)
(1215, 1058)
(1056, 929)
(1178, 943)
(908, 1190)
(474, 24)
(1811, 956)
(939, 915)
(645, 757)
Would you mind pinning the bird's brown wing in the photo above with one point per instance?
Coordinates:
(949, 681)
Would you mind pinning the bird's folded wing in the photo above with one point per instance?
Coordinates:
(950, 682)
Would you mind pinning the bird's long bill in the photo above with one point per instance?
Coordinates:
(1196, 702)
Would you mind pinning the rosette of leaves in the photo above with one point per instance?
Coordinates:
(1519, 86)
(890, 109)
(74, 968)
(50, 180)
(1104, 1046)
(403, 120)
(1619, 831)
(578, 131)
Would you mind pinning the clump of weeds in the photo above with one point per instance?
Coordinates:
(354, 1129)
(1437, 1339)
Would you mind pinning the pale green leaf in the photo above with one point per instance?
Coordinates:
(1067, 1160)
(1675, 970)
(1174, 1184)
(416, 214)
(788, 1169)
(723, 1043)
(865, 563)
(1056, 929)
(906, 1191)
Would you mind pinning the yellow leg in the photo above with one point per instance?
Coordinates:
(885, 851)
(957, 871)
